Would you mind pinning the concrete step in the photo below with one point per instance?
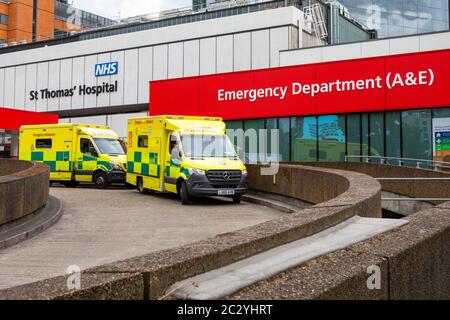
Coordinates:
(219, 283)
(32, 225)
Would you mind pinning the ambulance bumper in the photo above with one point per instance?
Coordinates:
(116, 176)
(200, 186)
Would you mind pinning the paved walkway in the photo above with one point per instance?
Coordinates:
(102, 226)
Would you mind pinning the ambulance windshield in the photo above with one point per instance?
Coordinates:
(207, 146)
(111, 147)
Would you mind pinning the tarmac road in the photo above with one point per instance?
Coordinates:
(102, 226)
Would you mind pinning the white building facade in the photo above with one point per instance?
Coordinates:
(65, 78)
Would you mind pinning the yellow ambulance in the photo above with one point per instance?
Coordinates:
(189, 156)
(75, 153)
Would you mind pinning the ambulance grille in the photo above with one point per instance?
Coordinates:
(224, 178)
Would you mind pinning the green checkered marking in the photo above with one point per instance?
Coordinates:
(87, 157)
(144, 169)
(130, 166)
(37, 156)
(168, 171)
(62, 155)
(137, 156)
(51, 164)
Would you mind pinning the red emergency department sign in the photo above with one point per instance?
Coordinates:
(409, 81)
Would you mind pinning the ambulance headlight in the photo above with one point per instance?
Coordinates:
(244, 172)
(197, 171)
(115, 165)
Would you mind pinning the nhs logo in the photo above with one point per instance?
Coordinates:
(106, 69)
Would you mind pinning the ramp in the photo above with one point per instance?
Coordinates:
(227, 280)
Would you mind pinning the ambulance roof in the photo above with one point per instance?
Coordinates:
(188, 124)
(89, 129)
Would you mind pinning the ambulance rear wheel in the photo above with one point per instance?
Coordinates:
(140, 186)
(100, 180)
(184, 194)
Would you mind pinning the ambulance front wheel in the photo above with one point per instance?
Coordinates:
(100, 180)
(237, 199)
(184, 194)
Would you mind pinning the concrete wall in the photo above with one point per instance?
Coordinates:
(414, 260)
(159, 270)
(24, 188)
(415, 189)
(414, 263)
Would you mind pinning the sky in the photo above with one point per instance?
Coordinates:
(115, 9)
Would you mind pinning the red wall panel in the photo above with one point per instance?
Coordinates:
(11, 119)
(409, 81)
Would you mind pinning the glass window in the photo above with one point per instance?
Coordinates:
(251, 149)
(87, 147)
(393, 135)
(304, 139)
(142, 141)
(441, 113)
(271, 124)
(416, 135)
(3, 19)
(43, 143)
(354, 135)
(109, 146)
(377, 134)
(285, 139)
(365, 134)
(331, 136)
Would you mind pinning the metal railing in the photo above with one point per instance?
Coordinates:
(419, 163)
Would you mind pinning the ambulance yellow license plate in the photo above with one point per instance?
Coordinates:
(226, 192)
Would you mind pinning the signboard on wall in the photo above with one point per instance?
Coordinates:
(441, 136)
(409, 81)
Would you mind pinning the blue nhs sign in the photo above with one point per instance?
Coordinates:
(106, 69)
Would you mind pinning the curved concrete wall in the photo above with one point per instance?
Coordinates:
(324, 188)
(338, 195)
(411, 188)
(24, 188)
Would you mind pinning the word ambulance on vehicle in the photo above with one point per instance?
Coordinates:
(75, 153)
(190, 156)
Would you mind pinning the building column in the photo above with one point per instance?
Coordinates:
(14, 144)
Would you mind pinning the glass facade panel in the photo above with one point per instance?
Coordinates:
(331, 138)
(304, 139)
(285, 139)
(441, 113)
(377, 134)
(251, 144)
(365, 134)
(400, 17)
(354, 135)
(393, 135)
(271, 124)
(416, 135)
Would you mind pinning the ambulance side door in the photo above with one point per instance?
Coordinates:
(86, 159)
(173, 162)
